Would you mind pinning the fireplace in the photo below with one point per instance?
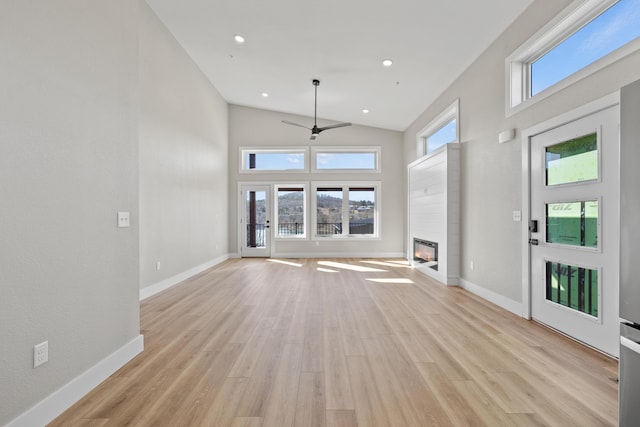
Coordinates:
(425, 252)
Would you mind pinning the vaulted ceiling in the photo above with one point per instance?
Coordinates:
(340, 42)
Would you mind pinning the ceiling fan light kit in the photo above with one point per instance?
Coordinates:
(315, 130)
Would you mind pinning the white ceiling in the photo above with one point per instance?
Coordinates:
(342, 43)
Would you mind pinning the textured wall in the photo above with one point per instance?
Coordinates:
(183, 159)
(68, 164)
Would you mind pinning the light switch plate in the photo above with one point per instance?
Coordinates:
(123, 219)
(517, 215)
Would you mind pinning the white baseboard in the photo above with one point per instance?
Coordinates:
(49, 408)
(497, 299)
(338, 255)
(151, 290)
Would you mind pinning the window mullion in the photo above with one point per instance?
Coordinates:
(345, 211)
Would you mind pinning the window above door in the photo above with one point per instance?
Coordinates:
(583, 39)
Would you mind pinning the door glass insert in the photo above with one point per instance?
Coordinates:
(256, 218)
(573, 223)
(572, 287)
(571, 161)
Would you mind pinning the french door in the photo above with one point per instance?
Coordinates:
(574, 232)
(255, 221)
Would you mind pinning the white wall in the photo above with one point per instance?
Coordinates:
(68, 164)
(250, 127)
(491, 172)
(183, 159)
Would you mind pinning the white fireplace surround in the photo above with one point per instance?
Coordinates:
(434, 210)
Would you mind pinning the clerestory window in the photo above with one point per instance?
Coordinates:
(584, 38)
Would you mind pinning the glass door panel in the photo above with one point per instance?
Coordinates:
(573, 223)
(255, 223)
(572, 161)
(573, 287)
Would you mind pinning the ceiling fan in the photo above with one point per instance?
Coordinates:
(315, 130)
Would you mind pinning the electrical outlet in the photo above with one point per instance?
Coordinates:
(123, 219)
(40, 354)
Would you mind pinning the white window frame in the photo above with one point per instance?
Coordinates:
(305, 202)
(565, 24)
(376, 185)
(244, 168)
(352, 149)
(445, 117)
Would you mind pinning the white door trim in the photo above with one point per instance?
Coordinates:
(570, 116)
(241, 207)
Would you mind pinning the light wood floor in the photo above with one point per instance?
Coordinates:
(257, 342)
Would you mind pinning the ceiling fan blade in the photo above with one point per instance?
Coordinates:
(294, 124)
(339, 125)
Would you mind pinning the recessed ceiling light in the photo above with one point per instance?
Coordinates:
(238, 38)
(365, 111)
(264, 94)
(387, 62)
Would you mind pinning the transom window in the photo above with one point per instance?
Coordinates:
(346, 159)
(273, 160)
(444, 129)
(584, 38)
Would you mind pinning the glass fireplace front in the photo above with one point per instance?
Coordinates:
(425, 252)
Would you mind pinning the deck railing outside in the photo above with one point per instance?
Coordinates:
(256, 232)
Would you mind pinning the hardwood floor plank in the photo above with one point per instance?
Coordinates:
(247, 422)
(222, 411)
(482, 405)
(310, 410)
(313, 357)
(281, 408)
(452, 402)
(338, 388)
(250, 355)
(340, 418)
(367, 400)
(255, 399)
(256, 342)
(404, 392)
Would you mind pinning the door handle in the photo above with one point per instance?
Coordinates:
(533, 242)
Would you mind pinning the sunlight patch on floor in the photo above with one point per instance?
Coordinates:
(350, 267)
(389, 263)
(326, 270)
(392, 280)
(279, 261)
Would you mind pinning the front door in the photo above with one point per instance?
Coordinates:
(575, 229)
(255, 221)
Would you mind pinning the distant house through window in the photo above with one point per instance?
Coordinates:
(346, 210)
